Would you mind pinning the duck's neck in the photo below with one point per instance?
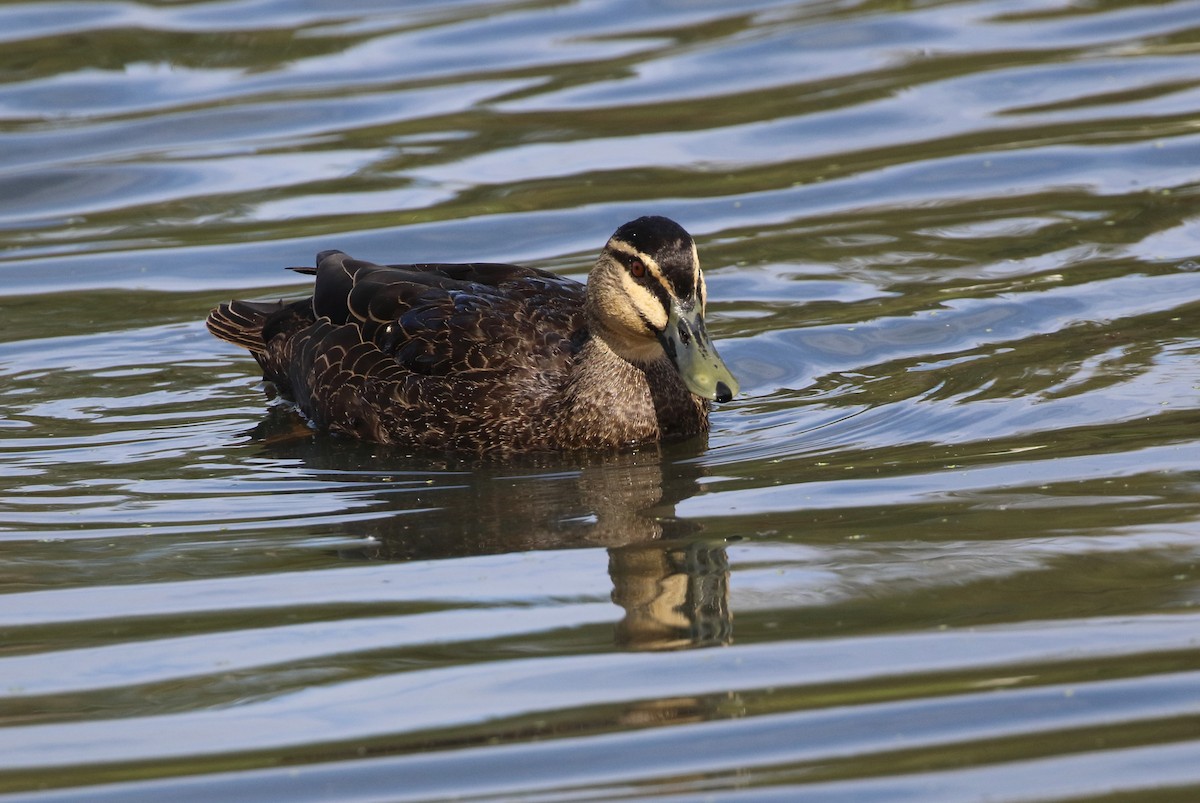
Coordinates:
(612, 401)
(678, 410)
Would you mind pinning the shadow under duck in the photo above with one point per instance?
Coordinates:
(493, 358)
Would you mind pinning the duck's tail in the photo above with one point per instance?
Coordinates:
(241, 323)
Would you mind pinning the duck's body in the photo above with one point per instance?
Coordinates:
(496, 358)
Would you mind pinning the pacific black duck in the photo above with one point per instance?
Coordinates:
(497, 358)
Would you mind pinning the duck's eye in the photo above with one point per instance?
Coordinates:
(638, 268)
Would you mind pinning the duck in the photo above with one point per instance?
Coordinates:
(496, 359)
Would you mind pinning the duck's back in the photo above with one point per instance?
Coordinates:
(443, 356)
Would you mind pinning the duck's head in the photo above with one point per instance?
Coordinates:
(646, 298)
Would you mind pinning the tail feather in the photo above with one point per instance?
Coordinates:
(241, 323)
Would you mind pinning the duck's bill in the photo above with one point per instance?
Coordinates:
(687, 344)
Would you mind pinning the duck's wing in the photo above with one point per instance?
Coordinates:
(446, 356)
(449, 319)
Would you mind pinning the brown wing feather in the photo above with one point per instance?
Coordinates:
(441, 320)
(447, 356)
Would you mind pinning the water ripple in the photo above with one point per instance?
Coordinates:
(945, 538)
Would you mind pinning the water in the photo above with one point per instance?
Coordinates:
(943, 547)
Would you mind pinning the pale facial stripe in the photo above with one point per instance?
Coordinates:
(652, 267)
(644, 302)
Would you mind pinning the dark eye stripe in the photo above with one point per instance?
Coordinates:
(680, 280)
(655, 285)
(628, 260)
(646, 322)
(661, 294)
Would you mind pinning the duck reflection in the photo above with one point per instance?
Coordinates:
(673, 596)
(672, 583)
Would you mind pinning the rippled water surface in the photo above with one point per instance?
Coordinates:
(943, 547)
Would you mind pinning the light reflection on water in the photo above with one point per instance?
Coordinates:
(942, 547)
